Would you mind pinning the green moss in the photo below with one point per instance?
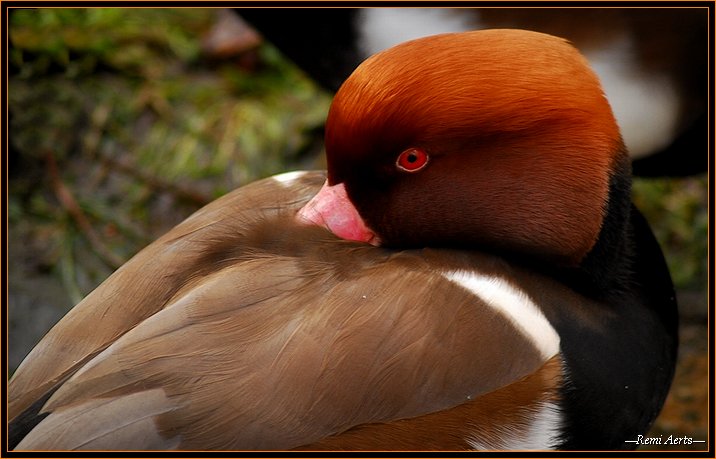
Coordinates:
(677, 212)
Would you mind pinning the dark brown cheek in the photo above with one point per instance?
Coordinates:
(408, 215)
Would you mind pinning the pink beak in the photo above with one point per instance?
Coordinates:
(332, 209)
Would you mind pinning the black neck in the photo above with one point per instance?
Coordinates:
(608, 264)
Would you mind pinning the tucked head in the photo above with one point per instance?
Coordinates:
(493, 138)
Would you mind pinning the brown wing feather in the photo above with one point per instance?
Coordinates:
(491, 418)
(145, 284)
(104, 424)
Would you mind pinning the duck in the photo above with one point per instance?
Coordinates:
(469, 273)
(652, 62)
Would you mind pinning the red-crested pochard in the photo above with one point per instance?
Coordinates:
(471, 275)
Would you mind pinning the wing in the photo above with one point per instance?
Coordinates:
(147, 282)
(293, 337)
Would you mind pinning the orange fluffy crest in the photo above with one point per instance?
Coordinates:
(521, 111)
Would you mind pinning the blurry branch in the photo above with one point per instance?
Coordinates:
(69, 203)
(152, 181)
(99, 118)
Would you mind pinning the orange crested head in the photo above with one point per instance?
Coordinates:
(513, 144)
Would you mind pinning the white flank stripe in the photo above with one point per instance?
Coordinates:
(513, 304)
(541, 434)
(287, 179)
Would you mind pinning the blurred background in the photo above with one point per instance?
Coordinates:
(123, 122)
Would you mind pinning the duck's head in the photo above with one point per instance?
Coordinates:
(498, 139)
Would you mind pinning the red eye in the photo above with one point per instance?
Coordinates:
(412, 160)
